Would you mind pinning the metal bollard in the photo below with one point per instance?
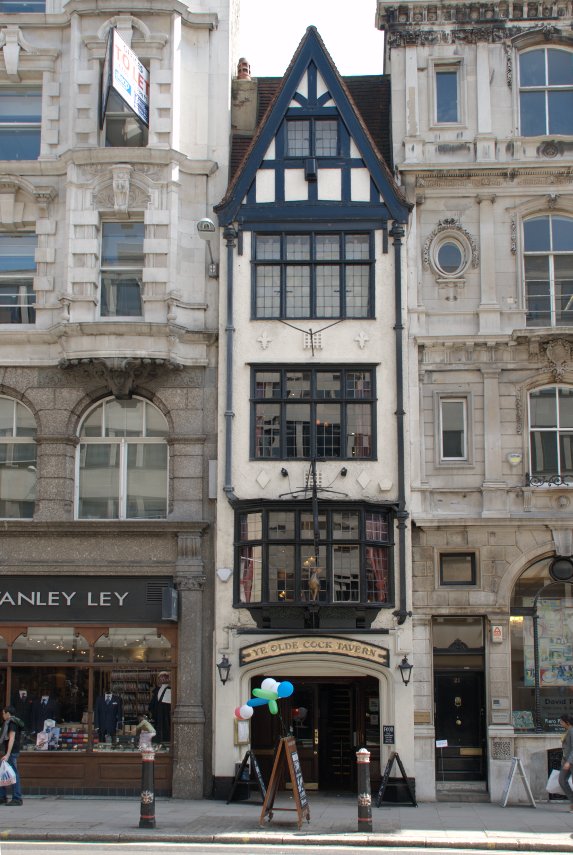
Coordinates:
(147, 808)
(364, 795)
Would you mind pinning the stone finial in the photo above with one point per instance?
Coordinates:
(243, 69)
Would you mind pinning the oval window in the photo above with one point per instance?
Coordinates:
(450, 257)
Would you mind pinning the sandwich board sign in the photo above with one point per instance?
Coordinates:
(125, 74)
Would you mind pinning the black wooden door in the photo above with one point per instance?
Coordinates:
(460, 721)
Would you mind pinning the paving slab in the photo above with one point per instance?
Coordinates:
(333, 821)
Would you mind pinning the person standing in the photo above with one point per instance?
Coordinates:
(10, 737)
(160, 707)
(566, 721)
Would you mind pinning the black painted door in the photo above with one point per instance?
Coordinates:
(460, 722)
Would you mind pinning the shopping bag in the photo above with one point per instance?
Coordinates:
(7, 774)
(552, 786)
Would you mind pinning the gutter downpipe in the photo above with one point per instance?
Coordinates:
(230, 236)
(397, 233)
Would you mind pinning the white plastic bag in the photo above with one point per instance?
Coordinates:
(7, 774)
(553, 787)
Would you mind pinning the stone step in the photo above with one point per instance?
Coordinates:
(462, 791)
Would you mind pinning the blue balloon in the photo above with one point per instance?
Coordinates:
(257, 702)
(285, 689)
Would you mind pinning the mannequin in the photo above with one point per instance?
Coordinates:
(160, 707)
(23, 703)
(108, 715)
(46, 706)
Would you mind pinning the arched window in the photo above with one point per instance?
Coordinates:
(123, 462)
(548, 270)
(551, 435)
(546, 91)
(17, 460)
(541, 645)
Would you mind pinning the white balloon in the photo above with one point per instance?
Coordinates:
(246, 711)
(269, 685)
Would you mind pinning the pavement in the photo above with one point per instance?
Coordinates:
(333, 821)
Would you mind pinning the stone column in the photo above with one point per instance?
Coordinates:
(489, 311)
(485, 139)
(55, 487)
(413, 146)
(189, 714)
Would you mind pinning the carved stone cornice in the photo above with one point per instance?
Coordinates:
(478, 179)
(559, 355)
(120, 374)
(195, 582)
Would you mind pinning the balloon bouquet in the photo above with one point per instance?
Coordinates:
(270, 692)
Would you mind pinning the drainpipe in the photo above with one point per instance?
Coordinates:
(230, 236)
(397, 233)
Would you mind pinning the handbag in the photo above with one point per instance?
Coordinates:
(7, 774)
(553, 787)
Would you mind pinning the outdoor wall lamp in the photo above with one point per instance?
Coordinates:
(405, 670)
(224, 668)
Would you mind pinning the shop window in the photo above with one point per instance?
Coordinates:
(546, 91)
(453, 429)
(53, 673)
(122, 262)
(551, 435)
(326, 413)
(458, 568)
(313, 275)
(17, 269)
(278, 563)
(17, 460)
(122, 127)
(548, 270)
(540, 696)
(312, 138)
(123, 462)
(20, 122)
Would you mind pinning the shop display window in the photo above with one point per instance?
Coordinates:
(75, 694)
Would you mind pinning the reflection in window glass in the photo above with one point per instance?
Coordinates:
(546, 91)
(447, 109)
(133, 644)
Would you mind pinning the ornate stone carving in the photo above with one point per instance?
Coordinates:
(188, 546)
(190, 583)
(121, 183)
(450, 224)
(558, 355)
(549, 149)
(518, 413)
(513, 238)
(119, 374)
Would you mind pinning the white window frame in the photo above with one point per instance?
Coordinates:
(136, 272)
(557, 478)
(22, 124)
(22, 283)
(121, 445)
(551, 254)
(546, 88)
(447, 64)
(13, 440)
(440, 399)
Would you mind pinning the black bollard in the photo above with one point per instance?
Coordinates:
(147, 810)
(364, 795)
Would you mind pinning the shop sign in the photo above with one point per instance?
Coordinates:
(314, 645)
(82, 599)
(126, 75)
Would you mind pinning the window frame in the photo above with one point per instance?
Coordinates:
(123, 114)
(444, 65)
(32, 122)
(312, 122)
(303, 547)
(313, 400)
(111, 269)
(123, 443)
(446, 554)
(452, 397)
(22, 282)
(546, 478)
(546, 88)
(313, 263)
(551, 254)
(13, 440)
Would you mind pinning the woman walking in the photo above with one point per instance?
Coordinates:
(566, 721)
(10, 744)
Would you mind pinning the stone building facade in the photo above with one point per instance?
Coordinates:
(482, 130)
(108, 386)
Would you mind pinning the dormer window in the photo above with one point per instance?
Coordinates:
(312, 138)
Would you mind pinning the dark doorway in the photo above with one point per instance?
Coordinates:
(330, 720)
(460, 721)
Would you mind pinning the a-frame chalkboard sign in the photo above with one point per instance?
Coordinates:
(287, 762)
(254, 779)
(394, 757)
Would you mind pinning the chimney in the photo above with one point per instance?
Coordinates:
(243, 69)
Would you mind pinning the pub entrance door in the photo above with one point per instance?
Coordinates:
(330, 720)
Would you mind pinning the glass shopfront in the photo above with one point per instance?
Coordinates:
(541, 650)
(88, 688)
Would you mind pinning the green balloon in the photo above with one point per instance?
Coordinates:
(273, 707)
(262, 693)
